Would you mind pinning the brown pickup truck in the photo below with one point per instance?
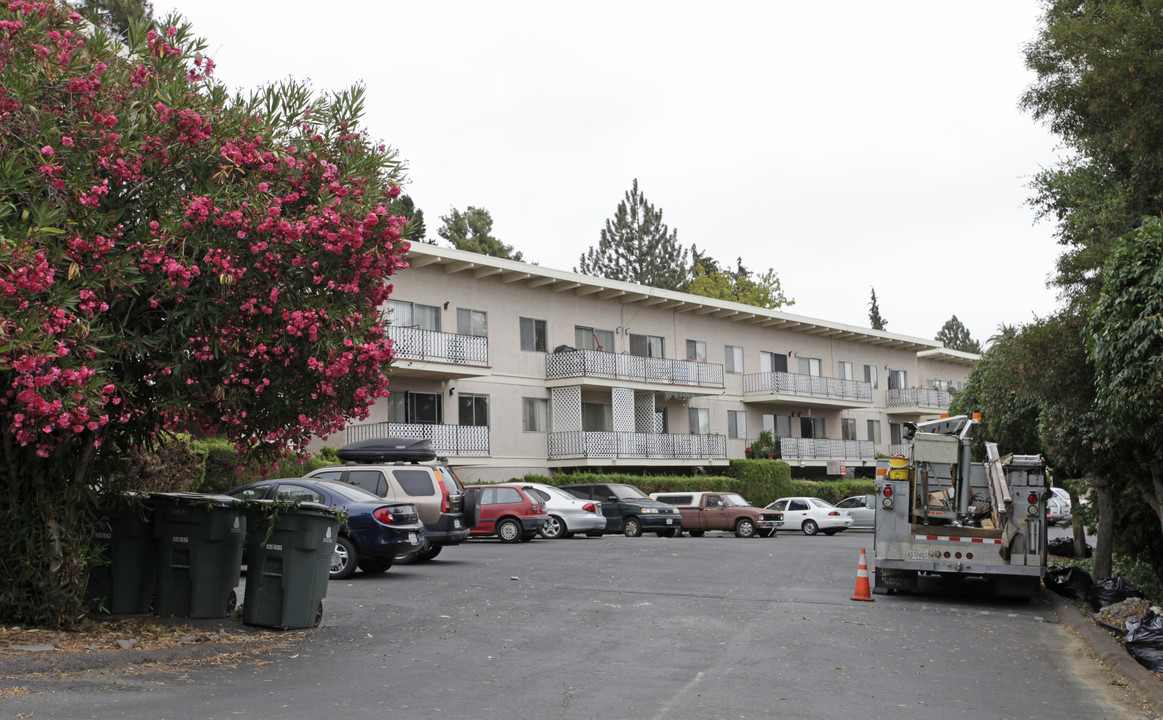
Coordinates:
(703, 511)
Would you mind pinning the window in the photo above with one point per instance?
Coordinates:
(416, 407)
(848, 428)
(597, 417)
(772, 362)
(898, 379)
(736, 423)
(500, 496)
(896, 433)
(810, 366)
(700, 421)
(472, 322)
(415, 483)
(696, 350)
(942, 385)
(797, 505)
(778, 425)
(534, 414)
(812, 427)
(533, 335)
(297, 492)
(874, 431)
(844, 370)
(371, 480)
(406, 314)
(588, 338)
(473, 409)
(646, 346)
(870, 376)
(733, 358)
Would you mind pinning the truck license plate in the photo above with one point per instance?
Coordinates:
(917, 554)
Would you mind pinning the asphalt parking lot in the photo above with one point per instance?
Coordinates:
(614, 627)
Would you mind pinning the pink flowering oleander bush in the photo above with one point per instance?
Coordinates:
(172, 259)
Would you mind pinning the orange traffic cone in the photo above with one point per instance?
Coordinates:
(862, 591)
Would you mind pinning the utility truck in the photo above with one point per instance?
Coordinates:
(938, 513)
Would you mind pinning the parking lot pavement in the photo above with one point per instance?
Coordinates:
(714, 627)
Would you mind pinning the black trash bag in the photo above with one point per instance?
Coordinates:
(1064, 547)
(1145, 640)
(1109, 591)
(1068, 582)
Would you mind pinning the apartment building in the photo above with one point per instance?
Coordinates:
(511, 368)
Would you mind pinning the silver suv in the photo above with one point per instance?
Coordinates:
(404, 471)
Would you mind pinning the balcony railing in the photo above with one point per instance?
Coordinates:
(784, 383)
(580, 444)
(811, 449)
(612, 366)
(456, 440)
(901, 449)
(919, 397)
(410, 343)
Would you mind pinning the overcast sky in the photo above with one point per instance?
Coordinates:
(848, 145)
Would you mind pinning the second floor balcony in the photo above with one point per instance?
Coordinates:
(447, 440)
(917, 400)
(596, 364)
(796, 449)
(430, 346)
(806, 389)
(586, 445)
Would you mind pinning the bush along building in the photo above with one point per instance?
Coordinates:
(510, 368)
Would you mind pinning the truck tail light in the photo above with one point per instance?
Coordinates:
(1033, 499)
(888, 491)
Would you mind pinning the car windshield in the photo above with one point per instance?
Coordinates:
(627, 492)
(353, 493)
(734, 500)
(820, 503)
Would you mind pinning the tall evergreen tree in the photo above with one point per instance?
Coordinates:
(636, 246)
(472, 231)
(415, 230)
(874, 317)
(956, 336)
(115, 15)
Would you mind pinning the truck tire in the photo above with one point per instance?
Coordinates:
(744, 528)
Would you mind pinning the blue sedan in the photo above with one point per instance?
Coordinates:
(376, 531)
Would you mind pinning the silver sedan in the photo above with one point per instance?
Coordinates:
(568, 514)
(862, 510)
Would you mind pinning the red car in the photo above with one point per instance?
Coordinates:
(510, 511)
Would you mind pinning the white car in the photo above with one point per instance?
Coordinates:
(568, 514)
(862, 509)
(812, 515)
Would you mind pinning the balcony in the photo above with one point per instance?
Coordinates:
(796, 449)
(585, 445)
(614, 368)
(449, 440)
(811, 390)
(917, 401)
(415, 349)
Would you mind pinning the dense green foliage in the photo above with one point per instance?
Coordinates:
(875, 321)
(955, 336)
(472, 231)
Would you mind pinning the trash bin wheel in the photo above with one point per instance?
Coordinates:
(318, 614)
(231, 603)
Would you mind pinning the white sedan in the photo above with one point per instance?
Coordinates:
(812, 515)
(568, 514)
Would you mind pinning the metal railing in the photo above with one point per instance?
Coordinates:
(596, 363)
(456, 440)
(580, 444)
(919, 397)
(410, 343)
(785, 383)
(899, 449)
(812, 449)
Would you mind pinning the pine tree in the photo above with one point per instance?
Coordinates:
(955, 336)
(874, 317)
(472, 231)
(637, 247)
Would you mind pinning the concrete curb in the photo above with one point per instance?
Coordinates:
(1109, 651)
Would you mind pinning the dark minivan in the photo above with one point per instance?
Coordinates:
(628, 510)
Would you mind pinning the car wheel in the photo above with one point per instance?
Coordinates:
(744, 528)
(509, 530)
(667, 533)
(567, 535)
(428, 552)
(810, 527)
(697, 533)
(375, 566)
(344, 559)
(632, 527)
(553, 528)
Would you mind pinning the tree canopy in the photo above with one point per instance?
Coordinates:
(171, 258)
(472, 231)
(740, 286)
(636, 246)
(955, 336)
(874, 318)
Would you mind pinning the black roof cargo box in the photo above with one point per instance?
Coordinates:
(380, 450)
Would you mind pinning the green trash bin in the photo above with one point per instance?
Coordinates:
(198, 541)
(125, 583)
(288, 563)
